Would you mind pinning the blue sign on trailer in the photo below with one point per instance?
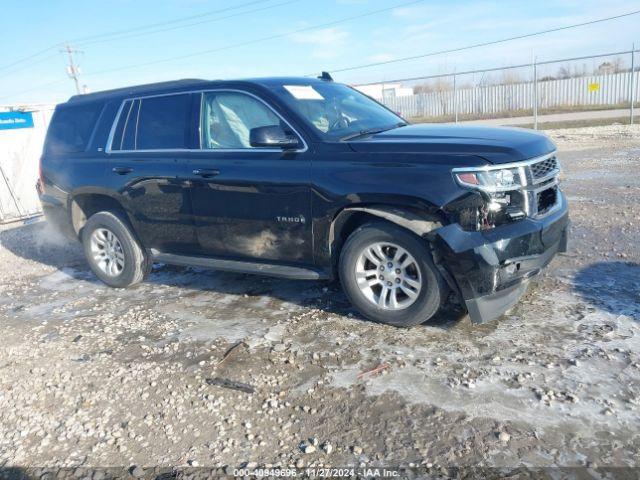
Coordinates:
(11, 120)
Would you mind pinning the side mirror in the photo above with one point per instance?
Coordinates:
(272, 136)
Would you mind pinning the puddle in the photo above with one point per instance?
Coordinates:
(493, 393)
(69, 279)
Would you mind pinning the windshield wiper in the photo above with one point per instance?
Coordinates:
(371, 131)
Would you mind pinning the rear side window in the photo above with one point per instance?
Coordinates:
(154, 123)
(71, 128)
(164, 122)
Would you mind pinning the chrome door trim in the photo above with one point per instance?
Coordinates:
(108, 149)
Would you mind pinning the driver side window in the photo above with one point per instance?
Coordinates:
(228, 117)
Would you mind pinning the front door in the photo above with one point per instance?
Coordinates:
(249, 203)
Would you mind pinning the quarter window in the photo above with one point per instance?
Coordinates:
(228, 117)
(71, 128)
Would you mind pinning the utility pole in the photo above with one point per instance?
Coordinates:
(73, 70)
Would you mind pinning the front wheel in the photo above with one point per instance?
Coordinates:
(388, 275)
(113, 252)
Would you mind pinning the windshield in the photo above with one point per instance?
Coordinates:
(337, 111)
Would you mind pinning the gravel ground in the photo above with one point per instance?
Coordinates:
(96, 377)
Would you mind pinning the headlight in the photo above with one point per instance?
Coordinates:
(501, 190)
(498, 180)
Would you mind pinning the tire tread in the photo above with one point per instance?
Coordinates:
(429, 301)
(141, 262)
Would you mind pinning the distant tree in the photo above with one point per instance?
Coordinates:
(569, 71)
(564, 72)
(421, 88)
(441, 88)
(614, 66)
(509, 77)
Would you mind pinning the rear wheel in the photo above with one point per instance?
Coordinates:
(388, 275)
(113, 252)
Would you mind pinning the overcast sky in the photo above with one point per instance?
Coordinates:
(415, 28)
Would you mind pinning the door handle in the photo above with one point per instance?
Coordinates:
(122, 170)
(205, 172)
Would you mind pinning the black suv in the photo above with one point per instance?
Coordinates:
(306, 179)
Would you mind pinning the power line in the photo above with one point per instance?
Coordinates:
(497, 69)
(73, 70)
(30, 65)
(168, 22)
(257, 40)
(35, 55)
(161, 30)
(32, 89)
(124, 31)
(483, 44)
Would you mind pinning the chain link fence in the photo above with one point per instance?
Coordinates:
(597, 82)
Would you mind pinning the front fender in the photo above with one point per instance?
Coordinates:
(411, 218)
(412, 221)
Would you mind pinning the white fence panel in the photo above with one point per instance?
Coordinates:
(589, 91)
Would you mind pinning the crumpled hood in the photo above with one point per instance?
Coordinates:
(494, 144)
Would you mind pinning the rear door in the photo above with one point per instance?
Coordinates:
(249, 203)
(148, 162)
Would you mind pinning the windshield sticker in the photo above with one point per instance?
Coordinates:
(304, 92)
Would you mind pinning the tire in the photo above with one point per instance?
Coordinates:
(409, 305)
(131, 265)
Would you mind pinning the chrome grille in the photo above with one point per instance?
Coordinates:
(542, 191)
(544, 168)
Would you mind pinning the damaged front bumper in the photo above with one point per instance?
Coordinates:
(491, 268)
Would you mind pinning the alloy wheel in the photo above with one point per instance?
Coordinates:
(388, 276)
(107, 252)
